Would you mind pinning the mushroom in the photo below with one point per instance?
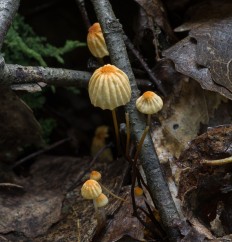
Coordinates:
(99, 142)
(109, 88)
(96, 42)
(95, 175)
(91, 190)
(138, 191)
(149, 103)
(101, 201)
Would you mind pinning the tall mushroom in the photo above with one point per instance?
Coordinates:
(109, 88)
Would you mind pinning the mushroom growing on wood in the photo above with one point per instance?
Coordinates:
(91, 190)
(96, 41)
(109, 88)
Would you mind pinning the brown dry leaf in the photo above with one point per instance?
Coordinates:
(184, 111)
(204, 189)
(206, 54)
(156, 14)
(205, 11)
(18, 126)
(33, 212)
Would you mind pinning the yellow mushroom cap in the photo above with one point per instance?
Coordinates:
(149, 103)
(109, 87)
(91, 189)
(96, 41)
(138, 191)
(101, 201)
(95, 175)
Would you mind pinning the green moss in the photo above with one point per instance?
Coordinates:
(23, 46)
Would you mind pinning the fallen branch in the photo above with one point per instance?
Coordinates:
(160, 193)
(17, 74)
(8, 9)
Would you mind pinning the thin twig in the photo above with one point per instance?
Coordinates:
(8, 11)
(156, 182)
(17, 74)
(39, 152)
(139, 57)
(82, 9)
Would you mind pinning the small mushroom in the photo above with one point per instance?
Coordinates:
(95, 175)
(138, 191)
(101, 201)
(91, 190)
(109, 88)
(149, 103)
(96, 42)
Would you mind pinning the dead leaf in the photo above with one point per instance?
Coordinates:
(201, 187)
(156, 13)
(204, 12)
(206, 55)
(184, 111)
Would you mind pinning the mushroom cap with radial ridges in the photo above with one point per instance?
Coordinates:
(96, 42)
(91, 189)
(102, 200)
(109, 87)
(149, 103)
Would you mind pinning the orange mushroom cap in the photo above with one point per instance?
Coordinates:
(138, 191)
(91, 189)
(95, 175)
(109, 87)
(96, 41)
(102, 200)
(149, 103)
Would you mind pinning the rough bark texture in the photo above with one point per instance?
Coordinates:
(8, 9)
(161, 196)
(16, 74)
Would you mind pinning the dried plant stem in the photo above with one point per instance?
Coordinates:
(127, 134)
(140, 145)
(116, 129)
(219, 162)
(149, 120)
(112, 194)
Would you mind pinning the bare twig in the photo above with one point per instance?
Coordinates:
(81, 6)
(33, 155)
(139, 57)
(160, 193)
(8, 9)
(16, 74)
